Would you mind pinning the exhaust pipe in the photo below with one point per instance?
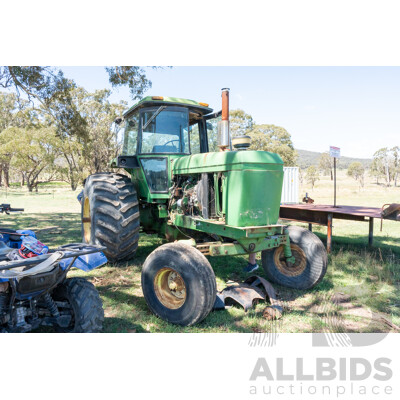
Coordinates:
(224, 137)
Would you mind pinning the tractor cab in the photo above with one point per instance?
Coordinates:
(166, 125)
(158, 130)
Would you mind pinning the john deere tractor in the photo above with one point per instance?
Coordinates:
(204, 202)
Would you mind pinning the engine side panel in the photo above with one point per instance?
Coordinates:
(242, 188)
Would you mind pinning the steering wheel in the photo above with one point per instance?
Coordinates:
(173, 140)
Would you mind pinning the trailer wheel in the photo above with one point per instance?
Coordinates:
(85, 304)
(178, 284)
(110, 215)
(310, 265)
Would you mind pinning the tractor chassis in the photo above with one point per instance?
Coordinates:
(251, 239)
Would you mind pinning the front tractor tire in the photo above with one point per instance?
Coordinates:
(110, 215)
(178, 284)
(310, 264)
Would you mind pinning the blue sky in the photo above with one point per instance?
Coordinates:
(354, 108)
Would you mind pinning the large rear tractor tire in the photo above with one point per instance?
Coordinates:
(110, 215)
(310, 265)
(178, 284)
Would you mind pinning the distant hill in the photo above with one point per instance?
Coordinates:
(307, 158)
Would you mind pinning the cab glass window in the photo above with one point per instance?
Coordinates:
(130, 134)
(194, 133)
(212, 133)
(155, 170)
(165, 130)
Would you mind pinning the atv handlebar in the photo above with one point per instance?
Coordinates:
(6, 208)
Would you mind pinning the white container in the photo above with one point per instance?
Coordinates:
(290, 188)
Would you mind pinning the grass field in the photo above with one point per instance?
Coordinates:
(360, 292)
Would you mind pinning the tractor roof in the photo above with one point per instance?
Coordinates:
(175, 101)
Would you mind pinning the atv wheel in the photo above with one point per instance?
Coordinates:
(310, 264)
(84, 301)
(178, 284)
(110, 215)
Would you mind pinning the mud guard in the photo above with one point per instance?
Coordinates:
(86, 262)
(254, 288)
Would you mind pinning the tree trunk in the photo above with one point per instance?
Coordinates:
(331, 174)
(6, 170)
(22, 180)
(387, 174)
(73, 183)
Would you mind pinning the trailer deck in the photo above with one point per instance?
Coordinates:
(324, 214)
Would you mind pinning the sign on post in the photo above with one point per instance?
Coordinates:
(335, 153)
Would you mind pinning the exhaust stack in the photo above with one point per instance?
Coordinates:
(224, 137)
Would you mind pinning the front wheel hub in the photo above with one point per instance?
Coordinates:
(170, 288)
(293, 266)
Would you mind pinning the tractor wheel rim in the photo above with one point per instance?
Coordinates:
(86, 221)
(170, 288)
(299, 265)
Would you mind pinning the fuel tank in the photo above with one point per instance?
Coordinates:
(247, 184)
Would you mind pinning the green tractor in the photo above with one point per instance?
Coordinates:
(204, 202)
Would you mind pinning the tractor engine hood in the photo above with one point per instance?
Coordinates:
(227, 161)
(248, 184)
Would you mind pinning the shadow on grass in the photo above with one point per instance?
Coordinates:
(141, 314)
(354, 242)
(68, 224)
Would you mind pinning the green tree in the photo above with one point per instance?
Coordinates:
(13, 113)
(48, 88)
(312, 175)
(33, 153)
(240, 123)
(100, 113)
(91, 149)
(396, 163)
(386, 164)
(325, 164)
(71, 164)
(44, 83)
(356, 171)
(274, 139)
(133, 77)
(375, 170)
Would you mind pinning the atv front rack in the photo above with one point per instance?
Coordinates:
(73, 251)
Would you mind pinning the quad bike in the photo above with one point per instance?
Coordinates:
(34, 291)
